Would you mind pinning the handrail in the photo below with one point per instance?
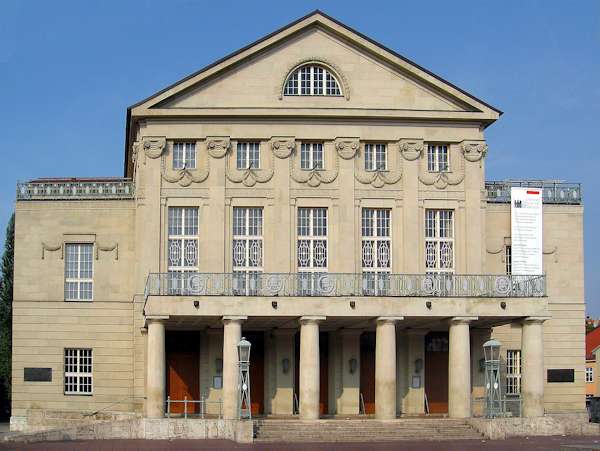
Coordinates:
(76, 189)
(553, 192)
(202, 402)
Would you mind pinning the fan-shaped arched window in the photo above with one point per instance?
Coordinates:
(312, 80)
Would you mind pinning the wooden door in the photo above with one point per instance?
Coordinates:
(367, 370)
(436, 371)
(183, 370)
(257, 372)
(324, 373)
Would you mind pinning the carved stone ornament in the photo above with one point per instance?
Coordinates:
(217, 146)
(185, 177)
(283, 146)
(249, 177)
(110, 248)
(153, 145)
(314, 177)
(347, 147)
(378, 179)
(52, 248)
(553, 251)
(135, 151)
(474, 150)
(411, 149)
(442, 179)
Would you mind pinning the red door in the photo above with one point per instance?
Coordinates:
(183, 370)
(436, 371)
(257, 372)
(367, 370)
(324, 373)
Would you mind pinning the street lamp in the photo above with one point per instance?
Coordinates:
(494, 405)
(244, 405)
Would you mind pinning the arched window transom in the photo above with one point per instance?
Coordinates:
(312, 80)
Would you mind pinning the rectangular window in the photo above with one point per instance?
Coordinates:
(439, 241)
(247, 250)
(376, 251)
(184, 155)
(183, 245)
(311, 156)
(589, 374)
(437, 158)
(248, 155)
(375, 157)
(312, 247)
(78, 371)
(79, 268)
(508, 259)
(513, 372)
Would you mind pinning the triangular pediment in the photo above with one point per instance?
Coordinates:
(373, 78)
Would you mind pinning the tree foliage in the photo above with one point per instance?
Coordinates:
(6, 298)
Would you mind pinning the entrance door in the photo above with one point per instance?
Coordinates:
(323, 371)
(257, 372)
(367, 370)
(183, 370)
(436, 371)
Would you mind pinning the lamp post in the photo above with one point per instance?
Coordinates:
(493, 390)
(244, 405)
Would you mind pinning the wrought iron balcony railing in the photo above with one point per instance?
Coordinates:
(75, 189)
(552, 192)
(335, 284)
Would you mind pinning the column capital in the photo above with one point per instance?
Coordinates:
(157, 317)
(312, 319)
(234, 318)
(389, 319)
(463, 319)
(536, 319)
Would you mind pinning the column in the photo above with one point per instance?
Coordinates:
(232, 334)
(156, 368)
(385, 367)
(532, 367)
(459, 368)
(309, 367)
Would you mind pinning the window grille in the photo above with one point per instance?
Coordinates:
(439, 241)
(513, 372)
(312, 80)
(247, 250)
(508, 259)
(312, 247)
(183, 244)
(375, 157)
(248, 155)
(311, 156)
(79, 267)
(376, 251)
(589, 374)
(78, 371)
(437, 158)
(184, 155)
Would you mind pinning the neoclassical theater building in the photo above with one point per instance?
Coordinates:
(323, 197)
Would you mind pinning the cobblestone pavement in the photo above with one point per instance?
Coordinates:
(534, 443)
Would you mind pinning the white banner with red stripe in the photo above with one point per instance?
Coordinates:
(526, 231)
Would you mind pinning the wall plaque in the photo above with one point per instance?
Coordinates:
(562, 375)
(37, 374)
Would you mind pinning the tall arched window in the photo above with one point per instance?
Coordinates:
(312, 80)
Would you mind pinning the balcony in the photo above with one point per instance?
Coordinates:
(552, 192)
(332, 285)
(76, 189)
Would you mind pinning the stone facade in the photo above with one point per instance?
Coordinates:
(347, 344)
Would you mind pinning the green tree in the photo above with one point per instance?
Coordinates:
(6, 298)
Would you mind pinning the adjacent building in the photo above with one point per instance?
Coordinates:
(322, 196)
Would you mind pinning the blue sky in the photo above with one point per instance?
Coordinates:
(69, 69)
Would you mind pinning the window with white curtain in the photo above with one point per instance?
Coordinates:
(79, 268)
(589, 374)
(513, 371)
(376, 250)
(78, 371)
(437, 158)
(312, 80)
(439, 241)
(311, 156)
(312, 247)
(375, 157)
(248, 155)
(183, 244)
(184, 155)
(247, 249)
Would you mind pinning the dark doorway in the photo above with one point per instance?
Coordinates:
(323, 371)
(183, 369)
(367, 370)
(436, 371)
(257, 371)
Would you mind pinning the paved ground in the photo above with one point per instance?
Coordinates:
(534, 443)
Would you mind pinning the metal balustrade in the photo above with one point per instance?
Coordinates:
(336, 284)
(75, 189)
(189, 407)
(552, 192)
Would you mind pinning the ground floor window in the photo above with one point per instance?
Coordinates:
(513, 372)
(78, 371)
(589, 374)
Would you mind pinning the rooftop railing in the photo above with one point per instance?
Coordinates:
(336, 284)
(552, 192)
(75, 189)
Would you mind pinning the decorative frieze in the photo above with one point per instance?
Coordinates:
(378, 179)
(52, 248)
(217, 146)
(249, 177)
(411, 149)
(441, 179)
(108, 248)
(347, 147)
(154, 145)
(283, 146)
(474, 150)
